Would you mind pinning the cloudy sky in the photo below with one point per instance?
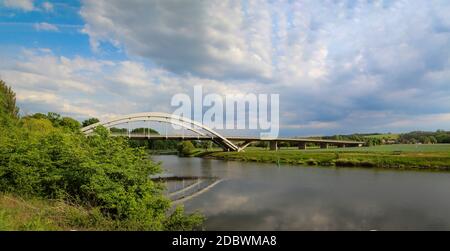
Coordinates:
(339, 66)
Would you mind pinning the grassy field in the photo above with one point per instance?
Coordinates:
(437, 148)
(34, 214)
(431, 157)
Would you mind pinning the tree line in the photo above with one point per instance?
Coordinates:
(415, 137)
(440, 136)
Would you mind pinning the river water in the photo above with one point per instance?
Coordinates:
(256, 196)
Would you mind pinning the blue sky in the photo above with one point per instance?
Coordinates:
(339, 66)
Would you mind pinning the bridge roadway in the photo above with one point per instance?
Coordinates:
(273, 142)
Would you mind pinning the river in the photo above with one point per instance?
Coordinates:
(257, 196)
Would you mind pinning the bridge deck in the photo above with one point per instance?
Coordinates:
(237, 138)
(202, 130)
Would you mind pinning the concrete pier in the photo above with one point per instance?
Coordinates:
(302, 146)
(273, 145)
(324, 145)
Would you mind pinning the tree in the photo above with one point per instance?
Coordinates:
(89, 122)
(55, 118)
(37, 116)
(206, 144)
(118, 130)
(337, 137)
(263, 144)
(433, 140)
(8, 101)
(143, 130)
(163, 144)
(42, 125)
(185, 148)
(57, 121)
(70, 124)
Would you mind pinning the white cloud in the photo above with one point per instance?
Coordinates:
(36, 96)
(25, 5)
(202, 37)
(55, 102)
(439, 121)
(45, 27)
(65, 85)
(314, 125)
(47, 6)
(337, 65)
(83, 87)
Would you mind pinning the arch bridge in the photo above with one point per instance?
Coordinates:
(202, 132)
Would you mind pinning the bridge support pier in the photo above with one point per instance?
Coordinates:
(324, 145)
(341, 146)
(273, 145)
(302, 146)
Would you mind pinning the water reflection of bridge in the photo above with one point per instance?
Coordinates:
(183, 188)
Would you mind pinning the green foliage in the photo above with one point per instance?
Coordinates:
(8, 101)
(177, 221)
(207, 145)
(9, 113)
(163, 144)
(55, 118)
(373, 141)
(36, 116)
(440, 136)
(262, 144)
(89, 122)
(70, 124)
(142, 130)
(44, 157)
(118, 130)
(57, 121)
(284, 144)
(185, 148)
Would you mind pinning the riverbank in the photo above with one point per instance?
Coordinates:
(423, 157)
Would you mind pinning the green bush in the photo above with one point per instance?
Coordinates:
(8, 101)
(38, 159)
(185, 148)
(47, 156)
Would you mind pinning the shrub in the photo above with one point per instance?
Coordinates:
(101, 172)
(185, 148)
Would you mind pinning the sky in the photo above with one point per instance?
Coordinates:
(339, 66)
